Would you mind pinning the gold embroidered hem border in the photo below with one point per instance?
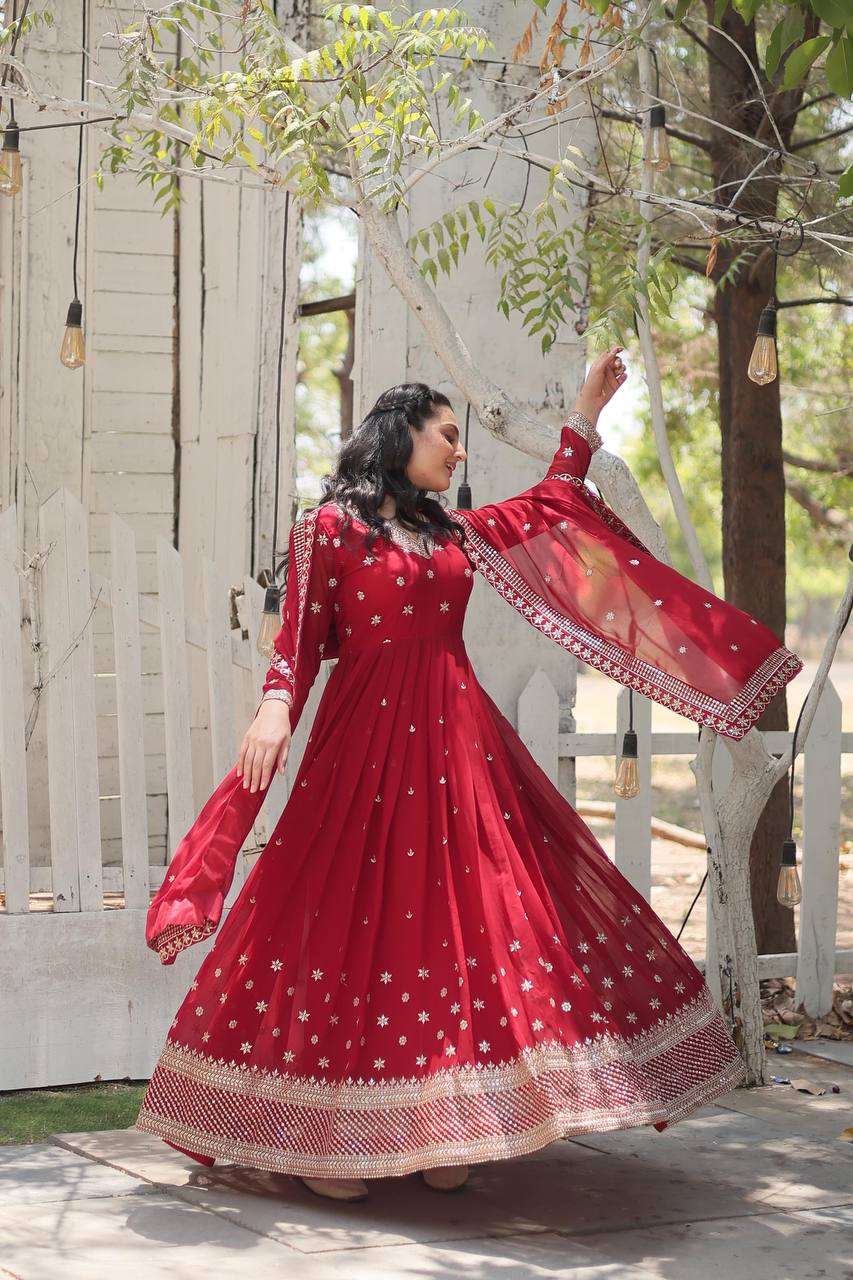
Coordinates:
(378, 1128)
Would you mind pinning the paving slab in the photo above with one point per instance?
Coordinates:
(840, 1051)
(40, 1172)
(789, 1111)
(772, 1246)
(154, 1237)
(542, 1257)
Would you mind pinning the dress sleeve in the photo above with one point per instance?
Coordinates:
(307, 633)
(571, 567)
(188, 905)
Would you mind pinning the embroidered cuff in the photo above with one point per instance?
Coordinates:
(281, 665)
(281, 694)
(584, 428)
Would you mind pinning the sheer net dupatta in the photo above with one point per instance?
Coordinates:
(574, 570)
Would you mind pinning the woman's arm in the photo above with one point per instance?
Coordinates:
(307, 626)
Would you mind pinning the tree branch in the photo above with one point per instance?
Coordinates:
(812, 302)
(824, 137)
(821, 516)
(843, 467)
(695, 139)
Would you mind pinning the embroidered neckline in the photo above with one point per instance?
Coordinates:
(405, 539)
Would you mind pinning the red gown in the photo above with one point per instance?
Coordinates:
(434, 961)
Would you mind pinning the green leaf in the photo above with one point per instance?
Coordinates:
(680, 9)
(839, 67)
(784, 34)
(835, 13)
(845, 186)
(720, 7)
(747, 9)
(799, 62)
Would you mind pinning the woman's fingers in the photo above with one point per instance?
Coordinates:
(241, 758)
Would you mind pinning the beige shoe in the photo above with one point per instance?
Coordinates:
(446, 1178)
(337, 1188)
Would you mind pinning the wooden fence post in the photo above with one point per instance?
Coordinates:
(220, 678)
(13, 752)
(72, 746)
(176, 692)
(539, 722)
(634, 817)
(819, 856)
(124, 595)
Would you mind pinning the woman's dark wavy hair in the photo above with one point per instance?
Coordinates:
(372, 463)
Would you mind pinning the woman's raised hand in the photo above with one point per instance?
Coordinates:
(605, 377)
(265, 744)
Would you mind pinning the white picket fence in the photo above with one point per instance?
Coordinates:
(80, 995)
(556, 747)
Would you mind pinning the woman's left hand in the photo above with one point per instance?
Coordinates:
(605, 377)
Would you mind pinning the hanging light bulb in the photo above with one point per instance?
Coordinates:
(270, 622)
(627, 781)
(73, 350)
(788, 889)
(657, 143)
(763, 363)
(11, 172)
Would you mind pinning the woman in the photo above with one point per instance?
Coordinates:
(434, 963)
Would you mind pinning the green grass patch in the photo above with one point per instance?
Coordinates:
(33, 1115)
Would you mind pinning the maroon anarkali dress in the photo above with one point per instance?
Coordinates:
(434, 961)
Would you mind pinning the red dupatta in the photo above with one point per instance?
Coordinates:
(577, 573)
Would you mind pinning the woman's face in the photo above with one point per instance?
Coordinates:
(435, 451)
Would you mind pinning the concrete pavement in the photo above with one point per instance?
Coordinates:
(758, 1187)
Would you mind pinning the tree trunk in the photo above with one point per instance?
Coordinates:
(753, 481)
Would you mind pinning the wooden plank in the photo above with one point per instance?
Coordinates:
(633, 829)
(137, 372)
(140, 493)
(129, 705)
(142, 315)
(155, 776)
(122, 191)
(120, 344)
(148, 232)
(176, 693)
(153, 735)
(539, 721)
(112, 822)
(116, 451)
(268, 815)
(220, 680)
(721, 773)
(819, 869)
(146, 568)
(149, 650)
(147, 412)
(75, 835)
(13, 751)
(106, 696)
(147, 528)
(122, 272)
(272, 282)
